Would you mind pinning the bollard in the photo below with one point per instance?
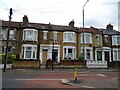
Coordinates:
(75, 74)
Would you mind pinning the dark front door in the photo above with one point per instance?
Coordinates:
(55, 55)
(107, 58)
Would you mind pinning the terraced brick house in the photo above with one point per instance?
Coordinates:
(35, 41)
(93, 43)
(111, 45)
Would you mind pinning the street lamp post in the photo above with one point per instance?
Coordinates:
(52, 54)
(83, 35)
(6, 51)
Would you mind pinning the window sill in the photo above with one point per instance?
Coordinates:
(29, 41)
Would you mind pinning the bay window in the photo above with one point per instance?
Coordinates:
(116, 54)
(29, 51)
(69, 52)
(69, 37)
(116, 40)
(30, 34)
(3, 34)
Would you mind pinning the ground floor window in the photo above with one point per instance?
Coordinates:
(88, 53)
(69, 52)
(99, 55)
(29, 51)
(2, 49)
(116, 54)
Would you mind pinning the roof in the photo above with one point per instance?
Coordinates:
(63, 28)
(38, 26)
(90, 30)
(110, 32)
(13, 24)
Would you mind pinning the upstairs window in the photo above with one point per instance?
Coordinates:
(3, 34)
(97, 39)
(45, 35)
(87, 38)
(11, 35)
(30, 34)
(55, 37)
(106, 38)
(116, 40)
(69, 37)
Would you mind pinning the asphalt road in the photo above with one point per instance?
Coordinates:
(53, 79)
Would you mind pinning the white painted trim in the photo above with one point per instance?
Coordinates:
(29, 29)
(49, 47)
(45, 31)
(29, 45)
(103, 49)
(91, 40)
(91, 51)
(116, 49)
(66, 40)
(73, 49)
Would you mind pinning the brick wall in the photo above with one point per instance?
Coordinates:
(26, 64)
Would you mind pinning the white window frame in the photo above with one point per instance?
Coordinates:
(98, 40)
(32, 50)
(65, 37)
(106, 38)
(3, 36)
(117, 54)
(11, 34)
(34, 38)
(45, 36)
(73, 52)
(115, 39)
(85, 38)
(91, 52)
(55, 37)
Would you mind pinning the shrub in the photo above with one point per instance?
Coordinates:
(10, 58)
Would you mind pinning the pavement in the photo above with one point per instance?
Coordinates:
(42, 70)
(94, 83)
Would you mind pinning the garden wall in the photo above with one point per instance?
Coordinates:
(26, 64)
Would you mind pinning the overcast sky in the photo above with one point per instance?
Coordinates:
(98, 13)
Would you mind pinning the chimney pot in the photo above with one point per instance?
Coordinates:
(72, 23)
(109, 26)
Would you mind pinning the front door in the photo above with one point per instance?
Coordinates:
(107, 56)
(55, 55)
(44, 55)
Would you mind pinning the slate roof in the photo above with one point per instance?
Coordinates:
(110, 32)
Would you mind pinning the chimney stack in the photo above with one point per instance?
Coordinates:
(109, 27)
(25, 19)
(72, 23)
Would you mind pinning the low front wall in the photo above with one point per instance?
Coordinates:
(9, 66)
(26, 64)
(97, 64)
(73, 62)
